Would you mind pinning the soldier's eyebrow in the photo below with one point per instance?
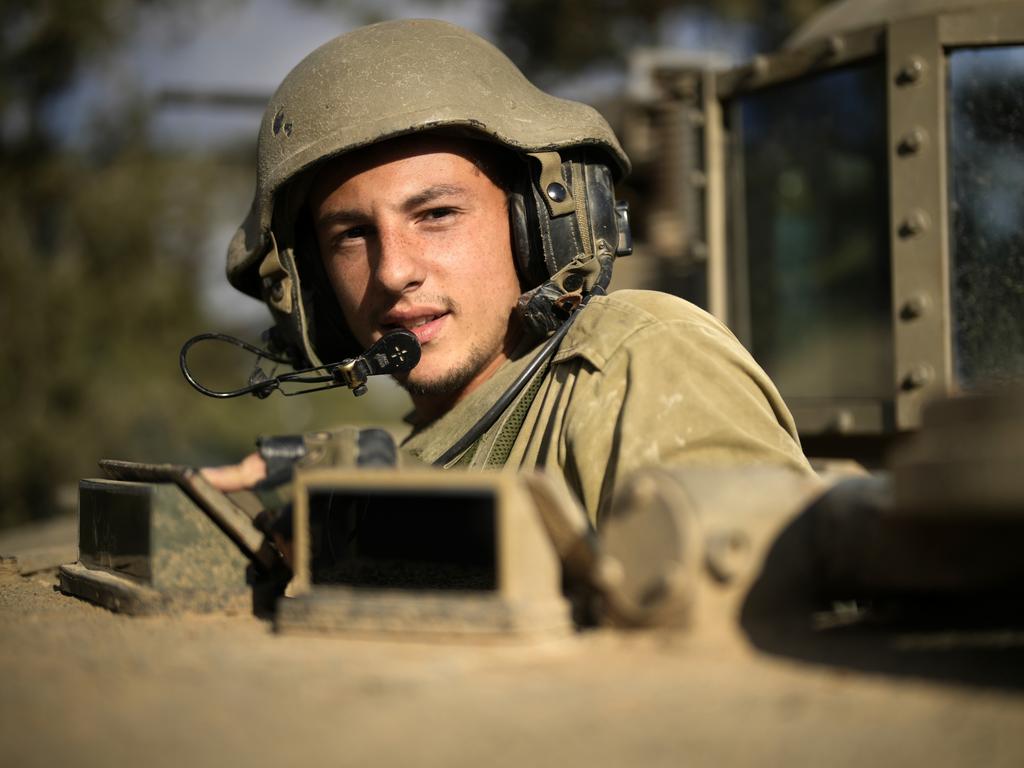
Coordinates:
(341, 218)
(430, 194)
(346, 216)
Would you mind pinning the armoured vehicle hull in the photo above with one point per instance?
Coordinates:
(85, 686)
(750, 618)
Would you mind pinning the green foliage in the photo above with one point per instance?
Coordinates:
(551, 39)
(101, 259)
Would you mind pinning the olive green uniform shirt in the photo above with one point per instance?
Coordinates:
(641, 378)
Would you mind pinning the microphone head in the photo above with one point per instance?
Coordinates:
(394, 352)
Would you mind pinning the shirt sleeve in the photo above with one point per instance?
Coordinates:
(675, 392)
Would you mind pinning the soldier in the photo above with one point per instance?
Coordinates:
(409, 176)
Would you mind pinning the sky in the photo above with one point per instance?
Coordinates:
(245, 46)
(248, 46)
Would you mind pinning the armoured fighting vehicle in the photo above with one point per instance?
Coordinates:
(851, 206)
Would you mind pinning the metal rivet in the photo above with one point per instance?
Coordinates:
(911, 142)
(557, 192)
(911, 72)
(674, 581)
(844, 422)
(277, 291)
(914, 307)
(609, 573)
(683, 87)
(830, 47)
(918, 376)
(644, 492)
(726, 554)
(914, 224)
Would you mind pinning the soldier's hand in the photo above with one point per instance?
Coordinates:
(236, 477)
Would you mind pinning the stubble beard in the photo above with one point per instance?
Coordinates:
(461, 374)
(478, 357)
(452, 381)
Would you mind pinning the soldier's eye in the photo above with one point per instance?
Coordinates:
(348, 236)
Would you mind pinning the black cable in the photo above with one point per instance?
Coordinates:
(394, 352)
(263, 388)
(260, 387)
(487, 420)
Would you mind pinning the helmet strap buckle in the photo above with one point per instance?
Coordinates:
(551, 184)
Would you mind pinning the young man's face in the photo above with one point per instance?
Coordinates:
(414, 235)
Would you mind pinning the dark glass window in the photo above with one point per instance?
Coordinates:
(986, 157)
(810, 242)
(400, 540)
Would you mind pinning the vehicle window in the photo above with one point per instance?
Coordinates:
(986, 191)
(810, 242)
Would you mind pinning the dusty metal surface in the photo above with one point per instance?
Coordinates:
(842, 17)
(422, 553)
(146, 547)
(917, 42)
(89, 687)
(919, 237)
(86, 686)
(921, 661)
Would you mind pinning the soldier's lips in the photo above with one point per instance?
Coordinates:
(424, 327)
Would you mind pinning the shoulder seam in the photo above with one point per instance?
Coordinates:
(644, 319)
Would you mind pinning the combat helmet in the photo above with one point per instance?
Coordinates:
(401, 77)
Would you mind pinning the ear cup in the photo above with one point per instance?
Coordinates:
(544, 244)
(601, 208)
(563, 236)
(526, 249)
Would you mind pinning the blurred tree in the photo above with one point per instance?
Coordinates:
(100, 257)
(86, 290)
(550, 39)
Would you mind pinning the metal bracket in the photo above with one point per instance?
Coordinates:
(919, 217)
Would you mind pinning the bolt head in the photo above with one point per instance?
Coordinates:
(911, 72)
(918, 377)
(844, 421)
(916, 222)
(914, 307)
(911, 143)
